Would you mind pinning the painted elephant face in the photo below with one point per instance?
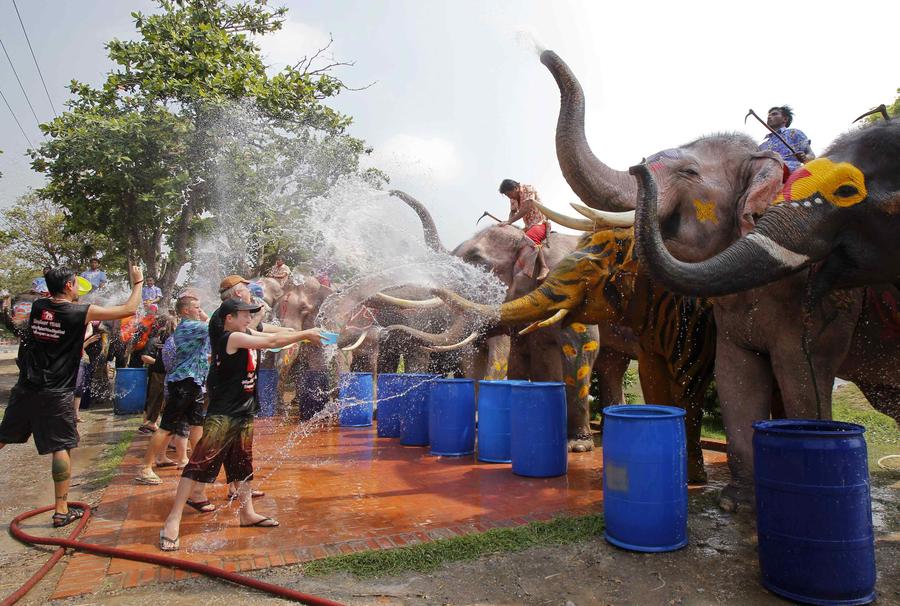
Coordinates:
(842, 209)
(710, 192)
(299, 305)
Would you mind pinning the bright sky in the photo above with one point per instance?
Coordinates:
(460, 100)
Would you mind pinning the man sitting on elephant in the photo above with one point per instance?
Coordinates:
(779, 119)
(521, 206)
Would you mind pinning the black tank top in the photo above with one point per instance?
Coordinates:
(51, 350)
(232, 380)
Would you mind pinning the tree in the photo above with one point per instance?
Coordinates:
(35, 233)
(139, 158)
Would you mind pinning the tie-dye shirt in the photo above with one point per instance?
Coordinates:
(527, 197)
(797, 140)
(192, 349)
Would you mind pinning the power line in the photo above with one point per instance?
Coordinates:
(35, 59)
(30, 144)
(16, 74)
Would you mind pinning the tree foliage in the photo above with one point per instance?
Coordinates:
(153, 157)
(35, 233)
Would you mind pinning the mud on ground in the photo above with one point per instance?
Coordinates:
(718, 566)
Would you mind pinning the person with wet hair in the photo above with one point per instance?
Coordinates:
(779, 119)
(41, 402)
(228, 428)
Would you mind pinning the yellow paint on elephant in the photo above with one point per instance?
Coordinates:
(569, 351)
(570, 381)
(591, 346)
(578, 327)
(706, 212)
(584, 391)
(840, 184)
(583, 372)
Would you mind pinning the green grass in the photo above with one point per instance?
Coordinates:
(713, 427)
(882, 434)
(427, 557)
(109, 465)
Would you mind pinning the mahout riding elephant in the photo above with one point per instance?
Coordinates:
(538, 355)
(791, 336)
(712, 191)
(602, 283)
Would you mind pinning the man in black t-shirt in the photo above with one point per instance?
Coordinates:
(41, 402)
(228, 427)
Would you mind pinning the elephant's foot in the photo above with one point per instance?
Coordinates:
(581, 443)
(696, 472)
(736, 498)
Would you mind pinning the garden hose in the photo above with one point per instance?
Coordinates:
(114, 552)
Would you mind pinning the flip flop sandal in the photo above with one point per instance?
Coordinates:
(263, 523)
(202, 506)
(167, 544)
(146, 429)
(64, 519)
(167, 464)
(148, 480)
(256, 494)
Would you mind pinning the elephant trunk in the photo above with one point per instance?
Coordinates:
(533, 307)
(595, 183)
(432, 239)
(752, 261)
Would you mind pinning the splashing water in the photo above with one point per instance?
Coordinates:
(528, 40)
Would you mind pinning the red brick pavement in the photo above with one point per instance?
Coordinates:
(335, 491)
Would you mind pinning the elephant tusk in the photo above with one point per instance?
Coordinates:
(545, 323)
(408, 303)
(565, 220)
(359, 342)
(604, 217)
(455, 346)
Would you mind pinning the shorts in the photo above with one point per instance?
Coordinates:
(184, 404)
(537, 233)
(48, 414)
(226, 440)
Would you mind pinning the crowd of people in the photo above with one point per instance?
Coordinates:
(201, 391)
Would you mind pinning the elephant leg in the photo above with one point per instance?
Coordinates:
(579, 352)
(610, 367)
(659, 387)
(519, 358)
(497, 362)
(745, 381)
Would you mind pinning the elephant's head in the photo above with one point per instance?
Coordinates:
(842, 209)
(710, 189)
(298, 306)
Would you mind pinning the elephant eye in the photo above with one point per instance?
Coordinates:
(846, 191)
(690, 172)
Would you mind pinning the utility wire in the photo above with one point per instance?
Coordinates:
(16, 74)
(17, 120)
(35, 59)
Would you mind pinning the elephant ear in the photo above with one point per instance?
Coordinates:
(764, 181)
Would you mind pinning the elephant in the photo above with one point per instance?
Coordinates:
(602, 282)
(507, 253)
(713, 190)
(791, 336)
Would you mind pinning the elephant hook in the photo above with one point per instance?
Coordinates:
(881, 109)
(750, 112)
(487, 214)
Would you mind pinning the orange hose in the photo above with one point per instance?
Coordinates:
(114, 552)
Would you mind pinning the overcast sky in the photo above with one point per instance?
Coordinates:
(461, 101)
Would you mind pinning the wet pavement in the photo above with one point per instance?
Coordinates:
(335, 490)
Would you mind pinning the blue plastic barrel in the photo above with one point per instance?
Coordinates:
(389, 403)
(494, 421)
(537, 440)
(267, 391)
(814, 511)
(645, 477)
(130, 391)
(413, 407)
(356, 399)
(451, 417)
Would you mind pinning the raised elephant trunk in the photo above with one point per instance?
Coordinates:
(432, 239)
(750, 262)
(598, 185)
